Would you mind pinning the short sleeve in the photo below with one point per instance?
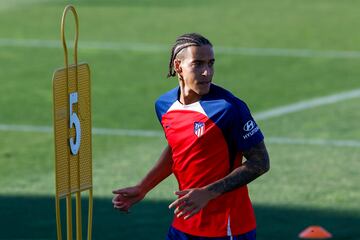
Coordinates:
(158, 110)
(164, 102)
(244, 130)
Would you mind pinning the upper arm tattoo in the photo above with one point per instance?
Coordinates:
(257, 163)
(259, 157)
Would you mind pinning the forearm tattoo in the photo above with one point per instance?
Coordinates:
(257, 163)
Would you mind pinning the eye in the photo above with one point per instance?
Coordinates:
(197, 64)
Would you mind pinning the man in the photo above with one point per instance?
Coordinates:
(208, 131)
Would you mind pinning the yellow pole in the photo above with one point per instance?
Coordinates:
(69, 216)
(78, 216)
(58, 221)
(90, 214)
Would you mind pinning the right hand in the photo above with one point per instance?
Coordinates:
(126, 197)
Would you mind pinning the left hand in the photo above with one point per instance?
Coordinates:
(191, 201)
(126, 197)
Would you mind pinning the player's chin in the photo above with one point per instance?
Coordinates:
(203, 89)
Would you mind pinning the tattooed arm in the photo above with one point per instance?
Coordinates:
(193, 200)
(257, 163)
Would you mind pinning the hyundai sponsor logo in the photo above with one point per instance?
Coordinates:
(249, 125)
(249, 134)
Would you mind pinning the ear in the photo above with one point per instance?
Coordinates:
(177, 65)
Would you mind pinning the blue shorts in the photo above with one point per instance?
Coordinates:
(175, 234)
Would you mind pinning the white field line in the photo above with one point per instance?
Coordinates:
(150, 133)
(307, 104)
(154, 48)
(321, 142)
(95, 131)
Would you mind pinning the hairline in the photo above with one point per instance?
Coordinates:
(180, 54)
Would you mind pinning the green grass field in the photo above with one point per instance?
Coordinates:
(269, 53)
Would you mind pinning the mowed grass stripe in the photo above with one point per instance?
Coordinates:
(151, 48)
(16, 4)
(271, 113)
(116, 163)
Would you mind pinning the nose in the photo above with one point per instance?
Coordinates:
(206, 71)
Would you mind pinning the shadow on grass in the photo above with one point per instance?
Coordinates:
(34, 218)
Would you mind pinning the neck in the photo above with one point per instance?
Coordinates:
(187, 96)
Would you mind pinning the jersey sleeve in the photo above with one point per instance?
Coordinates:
(164, 102)
(158, 110)
(244, 129)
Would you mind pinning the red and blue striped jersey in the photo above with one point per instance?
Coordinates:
(207, 139)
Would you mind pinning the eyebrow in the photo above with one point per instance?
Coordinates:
(199, 60)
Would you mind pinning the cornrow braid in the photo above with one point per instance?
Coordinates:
(184, 41)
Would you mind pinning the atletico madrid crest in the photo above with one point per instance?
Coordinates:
(199, 128)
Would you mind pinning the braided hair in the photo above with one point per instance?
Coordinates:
(182, 42)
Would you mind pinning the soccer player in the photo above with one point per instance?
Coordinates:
(208, 131)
